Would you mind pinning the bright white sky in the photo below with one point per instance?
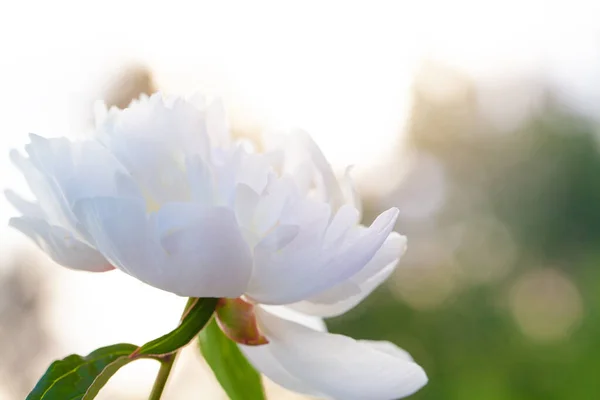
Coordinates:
(341, 71)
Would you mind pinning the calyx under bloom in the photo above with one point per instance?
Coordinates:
(237, 319)
(162, 193)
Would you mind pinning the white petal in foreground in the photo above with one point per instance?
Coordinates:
(184, 248)
(210, 252)
(61, 246)
(263, 359)
(313, 362)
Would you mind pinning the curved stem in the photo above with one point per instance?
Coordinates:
(163, 375)
(166, 364)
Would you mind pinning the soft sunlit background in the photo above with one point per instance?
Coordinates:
(479, 120)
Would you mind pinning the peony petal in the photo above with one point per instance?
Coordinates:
(298, 272)
(254, 172)
(95, 173)
(246, 200)
(331, 186)
(61, 245)
(225, 172)
(210, 253)
(285, 312)
(349, 191)
(174, 122)
(46, 191)
(277, 238)
(277, 270)
(264, 361)
(389, 348)
(61, 172)
(334, 365)
(345, 296)
(152, 139)
(271, 205)
(156, 165)
(52, 156)
(184, 248)
(25, 207)
(118, 227)
(345, 219)
(217, 124)
(200, 180)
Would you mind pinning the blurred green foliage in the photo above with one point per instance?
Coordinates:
(542, 183)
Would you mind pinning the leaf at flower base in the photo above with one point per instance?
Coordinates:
(81, 378)
(197, 315)
(235, 374)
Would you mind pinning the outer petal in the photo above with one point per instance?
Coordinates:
(307, 266)
(119, 229)
(303, 159)
(331, 187)
(51, 201)
(25, 207)
(209, 250)
(351, 195)
(335, 365)
(60, 172)
(263, 359)
(76, 169)
(183, 248)
(61, 245)
(343, 297)
(287, 313)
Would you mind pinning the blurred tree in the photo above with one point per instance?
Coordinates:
(536, 187)
(22, 334)
(130, 83)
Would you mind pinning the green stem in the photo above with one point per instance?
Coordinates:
(166, 365)
(163, 375)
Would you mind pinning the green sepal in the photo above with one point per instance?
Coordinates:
(237, 320)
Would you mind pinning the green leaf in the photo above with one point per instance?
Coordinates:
(195, 318)
(235, 374)
(81, 378)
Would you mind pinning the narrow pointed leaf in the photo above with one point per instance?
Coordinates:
(81, 378)
(195, 318)
(235, 374)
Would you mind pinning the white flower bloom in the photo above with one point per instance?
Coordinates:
(163, 194)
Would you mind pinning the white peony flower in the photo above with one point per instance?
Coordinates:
(163, 194)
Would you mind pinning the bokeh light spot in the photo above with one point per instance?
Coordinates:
(546, 305)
